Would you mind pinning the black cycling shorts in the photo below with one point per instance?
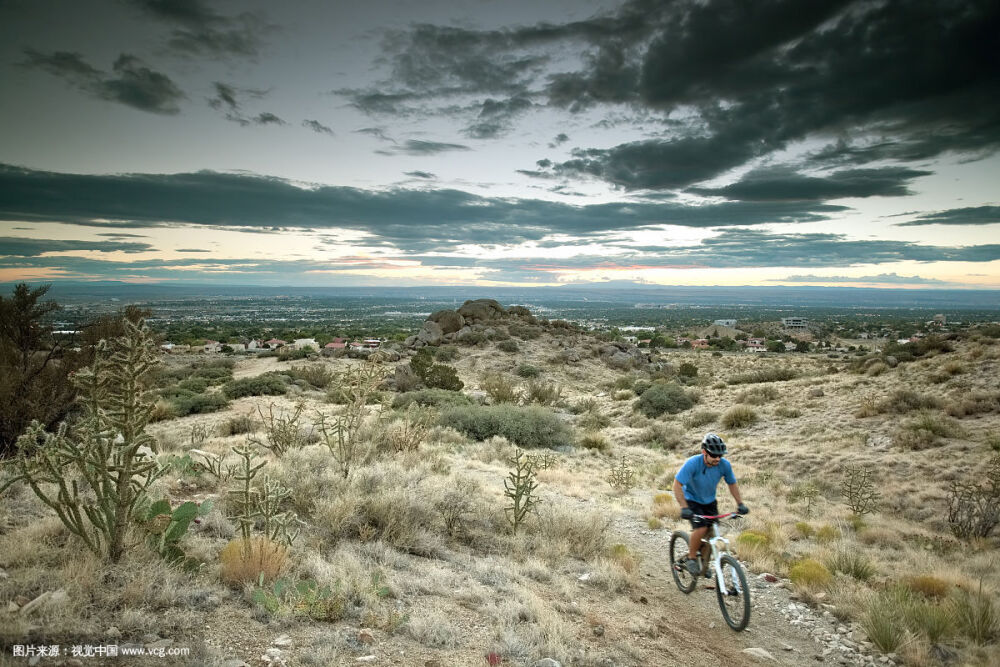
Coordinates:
(710, 509)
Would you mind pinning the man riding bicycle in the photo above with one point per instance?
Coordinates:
(694, 488)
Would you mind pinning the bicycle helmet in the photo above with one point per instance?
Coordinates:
(713, 444)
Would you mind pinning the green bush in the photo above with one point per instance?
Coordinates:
(904, 400)
(500, 389)
(261, 385)
(291, 354)
(925, 431)
(664, 398)
(438, 398)
(530, 426)
(595, 441)
(317, 375)
(852, 563)
(700, 418)
(446, 353)
(757, 395)
(739, 416)
(528, 371)
(198, 404)
(543, 393)
(508, 346)
(445, 377)
(687, 369)
(778, 374)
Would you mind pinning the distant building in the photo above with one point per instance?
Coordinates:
(794, 322)
(725, 323)
(274, 343)
(212, 347)
(700, 344)
(303, 343)
(940, 319)
(335, 345)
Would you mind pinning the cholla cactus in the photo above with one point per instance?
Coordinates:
(108, 450)
(520, 487)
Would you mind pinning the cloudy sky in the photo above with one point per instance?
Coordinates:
(501, 142)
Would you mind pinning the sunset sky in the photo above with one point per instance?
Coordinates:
(489, 142)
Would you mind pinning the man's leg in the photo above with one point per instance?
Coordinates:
(696, 537)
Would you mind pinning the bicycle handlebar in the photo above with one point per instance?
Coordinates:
(735, 515)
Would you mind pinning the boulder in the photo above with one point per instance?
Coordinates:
(449, 320)
(482, 310)
(620, 360)
(430, 333)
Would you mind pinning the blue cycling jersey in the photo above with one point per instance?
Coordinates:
(700, 480)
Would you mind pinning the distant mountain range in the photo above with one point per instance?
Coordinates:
(619, 294)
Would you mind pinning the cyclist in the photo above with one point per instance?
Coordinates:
(694, 488)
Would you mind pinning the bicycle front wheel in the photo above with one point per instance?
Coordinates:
(734, 594)
(678, 552)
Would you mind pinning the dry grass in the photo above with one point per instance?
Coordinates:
(247, 561)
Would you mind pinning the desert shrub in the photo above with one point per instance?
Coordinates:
(993, 441)
(975, 403)
(924, 432)
(261, 385)
(595, 441)
(851, 562)
(627, 559)
(653, 523)
(437, 398)
(641, 386)
(687, 369)
(904, 400)
(753, 540)
(594, 420)
(588, 404)
(317, 375)
(195, 385)
(528, 371)
(471, 338)
(663, 398)
(777, 374)
(237, 425)
(500, 389)
(440, 376)
(810, 574)
(804, 529)
(622, 395)
(519, 488)
(543, 393)
(739, 416)
(659, 435)
(508, 346)
(446, 353)
(876, 369)
(524, 331)
(757, 395)
(529, 427)
(198, 404)
(700, 418)
(291, 354)
(246, 561)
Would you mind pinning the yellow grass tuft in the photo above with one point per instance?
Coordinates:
(246, 560)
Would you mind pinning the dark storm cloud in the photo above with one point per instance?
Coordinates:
(415, 220)
(268, 118)
(420, 174)
(895, 80)
(192, 250)
(418, 147)
(19, 247)
(560, 139)
(784, 184)
(317, 127)
(201, 31)
(130, 82)
(117, 235)
(973, 215)
(230, 100)
(496, 117)
(882, 278)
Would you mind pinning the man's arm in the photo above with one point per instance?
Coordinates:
(679, 494)
(734, 489)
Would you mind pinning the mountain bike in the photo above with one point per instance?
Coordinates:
(730, 581)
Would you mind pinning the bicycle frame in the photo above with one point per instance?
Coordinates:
(719, 546)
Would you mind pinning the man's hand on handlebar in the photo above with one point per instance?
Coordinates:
(742, 509)
(686, 513)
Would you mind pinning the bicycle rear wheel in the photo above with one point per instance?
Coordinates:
(678, 552)
(734, 595)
